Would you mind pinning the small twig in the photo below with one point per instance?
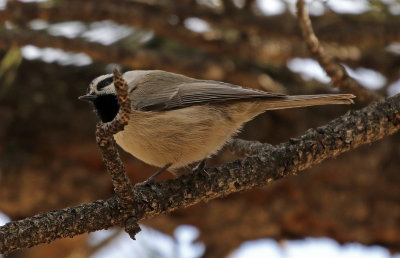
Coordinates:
(336, 71)
(104, 137)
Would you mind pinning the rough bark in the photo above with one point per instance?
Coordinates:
(353, 198)
(340, 135)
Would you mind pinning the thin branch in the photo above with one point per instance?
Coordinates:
(107, 145)
(104, 138)
(340, 135)
(336, 71)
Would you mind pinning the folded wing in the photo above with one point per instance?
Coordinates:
(175, 96)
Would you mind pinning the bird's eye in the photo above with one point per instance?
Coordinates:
(105, 82)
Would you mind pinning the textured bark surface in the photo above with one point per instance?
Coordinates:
(347, 132)
(108, 146)
(335, 199)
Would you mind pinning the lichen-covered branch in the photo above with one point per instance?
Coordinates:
(340, 135)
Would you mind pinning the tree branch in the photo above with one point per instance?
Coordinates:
(336, 72)
(107, 145)
(340, 135)
(105, 140)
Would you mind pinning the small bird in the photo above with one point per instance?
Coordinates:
(177, 120)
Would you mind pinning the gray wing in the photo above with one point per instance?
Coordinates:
(161, 95)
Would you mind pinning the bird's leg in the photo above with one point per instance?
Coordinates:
(155, 175)
(200, 167)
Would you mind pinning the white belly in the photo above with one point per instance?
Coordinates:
(178, 136)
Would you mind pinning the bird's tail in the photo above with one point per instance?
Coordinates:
(308, 100)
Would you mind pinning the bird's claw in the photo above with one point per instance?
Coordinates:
(200, 169)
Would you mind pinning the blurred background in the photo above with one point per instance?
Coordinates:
(51, 50)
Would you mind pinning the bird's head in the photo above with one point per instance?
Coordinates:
(101, 93)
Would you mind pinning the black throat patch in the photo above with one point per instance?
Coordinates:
(107, 107)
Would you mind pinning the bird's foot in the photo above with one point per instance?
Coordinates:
(200, 168)
(146, 183)
(149, 181)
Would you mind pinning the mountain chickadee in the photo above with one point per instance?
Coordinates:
(178, 120)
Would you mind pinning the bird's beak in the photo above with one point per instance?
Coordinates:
(88, 97)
